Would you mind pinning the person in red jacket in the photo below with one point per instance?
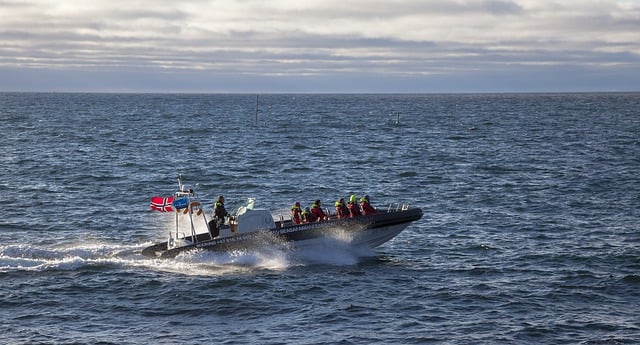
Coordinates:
(341, 209)
(316, 211)
(367, 209)
(354, 209)
(295, 212)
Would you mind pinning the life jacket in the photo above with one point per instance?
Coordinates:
(341, 210)
(367, 209)
(295, 214)
(317, 213)
(307, 217)
(219, 211)
(354, 210)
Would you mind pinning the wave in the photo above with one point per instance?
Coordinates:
(273, 256)
(25, 257)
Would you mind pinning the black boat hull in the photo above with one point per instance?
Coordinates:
(371, 231)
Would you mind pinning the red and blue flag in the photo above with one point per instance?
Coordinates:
(162, 204)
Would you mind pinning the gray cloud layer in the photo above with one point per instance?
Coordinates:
(325, 46)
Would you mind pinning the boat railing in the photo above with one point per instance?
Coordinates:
(172, 242)
(184, 194)
(193, 205)
(393, 207)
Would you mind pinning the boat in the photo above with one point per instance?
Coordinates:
(252, 227)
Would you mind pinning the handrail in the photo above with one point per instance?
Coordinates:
(398, 207)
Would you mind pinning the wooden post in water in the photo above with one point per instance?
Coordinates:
(257, 108)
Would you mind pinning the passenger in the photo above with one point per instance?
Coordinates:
(367, 209)
(295, 212)
(219, 212)
(341, 209)
(317, 212)
(354, 209)
(306, 215)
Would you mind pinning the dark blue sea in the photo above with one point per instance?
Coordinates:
(530, 234)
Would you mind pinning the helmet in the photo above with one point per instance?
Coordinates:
(353, 198)
(297, 204)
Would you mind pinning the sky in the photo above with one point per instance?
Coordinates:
(320, 46)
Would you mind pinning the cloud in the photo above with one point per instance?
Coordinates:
(285, 39)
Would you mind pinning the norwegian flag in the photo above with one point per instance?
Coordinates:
(161, 204)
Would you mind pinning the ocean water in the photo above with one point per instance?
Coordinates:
(531, 232)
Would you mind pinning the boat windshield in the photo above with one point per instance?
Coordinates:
(248, 206)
